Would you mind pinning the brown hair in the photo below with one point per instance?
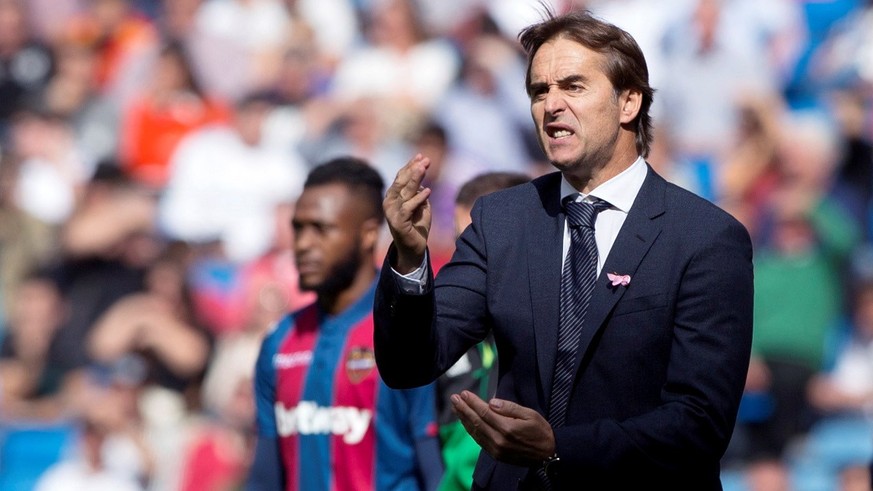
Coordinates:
(488, 183)
(625, 64)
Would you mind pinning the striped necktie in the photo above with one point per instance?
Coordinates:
(577, 283)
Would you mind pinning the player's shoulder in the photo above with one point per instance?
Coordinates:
(298, 319)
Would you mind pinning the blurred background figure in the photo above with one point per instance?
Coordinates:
(172, 106)
(33, 384)
(126, 41)
(225, 183)
(401, 65)
(109, 451)
(255, 29)
(26, 63)
(839, 450)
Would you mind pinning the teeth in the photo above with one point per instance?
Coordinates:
(561, 133)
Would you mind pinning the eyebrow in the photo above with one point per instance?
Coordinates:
(570, 79)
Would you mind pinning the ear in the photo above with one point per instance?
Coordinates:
(370, 234)
(630, 102)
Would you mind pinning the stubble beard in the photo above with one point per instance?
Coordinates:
(340, 277)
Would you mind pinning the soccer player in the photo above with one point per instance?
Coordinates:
(326, 421)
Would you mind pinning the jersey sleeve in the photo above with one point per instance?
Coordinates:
(265, 388)
(266, 471)
(423, 425)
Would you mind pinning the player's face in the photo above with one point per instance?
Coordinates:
(328, 246)
(574, 106)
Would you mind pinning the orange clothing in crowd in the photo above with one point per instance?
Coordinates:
(150, 133)
(132, 36)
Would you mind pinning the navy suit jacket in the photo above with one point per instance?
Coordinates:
(662, 361)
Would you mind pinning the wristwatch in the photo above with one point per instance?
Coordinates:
(551, 465)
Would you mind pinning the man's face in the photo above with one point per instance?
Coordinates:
(328, 238)
(574, 106)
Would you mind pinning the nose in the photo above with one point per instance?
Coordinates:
(553, 101)
(304, 238)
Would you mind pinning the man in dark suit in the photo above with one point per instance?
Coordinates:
(644, 394)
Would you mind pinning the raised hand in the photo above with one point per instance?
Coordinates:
(408, 214)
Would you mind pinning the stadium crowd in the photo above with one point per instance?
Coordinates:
(151, 152)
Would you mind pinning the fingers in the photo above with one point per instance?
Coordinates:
(507, 431)
(471, 411)
(408, 181)
(408, 214)
(406, 195)
(511, 409)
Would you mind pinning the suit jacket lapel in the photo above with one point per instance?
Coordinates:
(544, 241)
(636, 236)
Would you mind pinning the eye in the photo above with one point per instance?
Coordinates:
(574, 87)
(538, 92)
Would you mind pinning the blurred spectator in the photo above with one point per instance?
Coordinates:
(154, 123)
(156, 330)
(840, 444)
(106, 246)
(304, 111)
(799, 291)
(362, 130)
(333, 23)
(33, 386)
(25, 241)
(844, 57)
(822, 18)
(241, 301)
(710, 72)
(490, 87)
(648, 23)
(257, 28)
(852, 110)
(156, 326)
(50, 18)
(53, 170)
(749, 169)
(111, 452)
(219, 451)
(126, 43)
(400, 66)
(73, 94)
(226, 184)
(210, 52)
(25, 63)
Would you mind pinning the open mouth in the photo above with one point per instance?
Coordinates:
(558, 132)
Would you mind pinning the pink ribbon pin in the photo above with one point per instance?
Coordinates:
(616, 279)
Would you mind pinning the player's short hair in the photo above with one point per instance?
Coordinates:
(488, 183)
(356, 174)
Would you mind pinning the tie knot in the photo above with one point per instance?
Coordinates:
(583, 213)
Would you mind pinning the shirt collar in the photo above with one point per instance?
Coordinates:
(620, 191)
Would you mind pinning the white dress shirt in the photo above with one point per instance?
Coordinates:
(620, 192)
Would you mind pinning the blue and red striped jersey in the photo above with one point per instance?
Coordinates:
(339, 427)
